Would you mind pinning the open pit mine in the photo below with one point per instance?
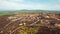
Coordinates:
(30, 24)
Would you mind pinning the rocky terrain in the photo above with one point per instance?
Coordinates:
(39, 23)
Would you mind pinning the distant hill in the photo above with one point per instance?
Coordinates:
(28, 11)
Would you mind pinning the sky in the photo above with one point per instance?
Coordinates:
(30, 4)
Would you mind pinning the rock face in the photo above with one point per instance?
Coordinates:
(46, 23)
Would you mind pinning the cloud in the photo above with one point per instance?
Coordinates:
(13, 5)
(16, 0)
(7, 5)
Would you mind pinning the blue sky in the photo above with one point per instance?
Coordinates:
(30, 4)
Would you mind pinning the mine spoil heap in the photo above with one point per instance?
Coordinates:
(46, 23)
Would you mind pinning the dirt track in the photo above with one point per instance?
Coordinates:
(10, 24)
